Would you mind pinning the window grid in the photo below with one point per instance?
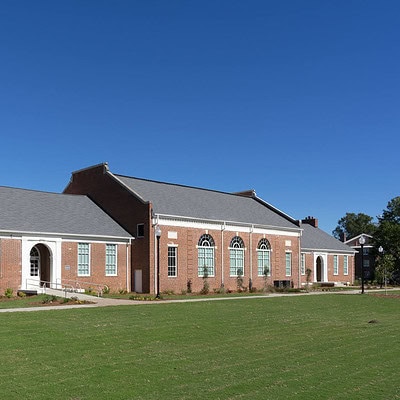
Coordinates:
(111, 259)
(303, 264)
(205, 256)
(83, 259)
(264, 258)
(172, 261)
(345, 265)
(236, 255)
(335, 265)
(288, 264)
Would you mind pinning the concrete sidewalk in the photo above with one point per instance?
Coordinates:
(106, 302)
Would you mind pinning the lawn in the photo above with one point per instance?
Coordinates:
(331, 346)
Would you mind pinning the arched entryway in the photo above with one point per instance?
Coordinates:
(40, 265)
(319, 268)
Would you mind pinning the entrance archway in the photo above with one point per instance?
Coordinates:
(40, 265)
(319, 268)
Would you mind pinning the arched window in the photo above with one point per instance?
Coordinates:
(205, 248)
(264, 258)
(35, 261)
(236, 255)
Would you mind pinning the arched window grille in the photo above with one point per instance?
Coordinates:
(236, 256)
(264, 258)
(206, 255)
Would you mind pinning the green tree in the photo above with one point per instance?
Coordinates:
(387, 234)
(353, 224)
(384, 268)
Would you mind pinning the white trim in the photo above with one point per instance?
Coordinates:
(228, 226)
(54, 247)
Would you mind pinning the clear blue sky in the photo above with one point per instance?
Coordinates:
(298, 100)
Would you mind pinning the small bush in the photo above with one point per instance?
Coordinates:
(21, 294)
(106, 290)
(49, 299)
(9, 293)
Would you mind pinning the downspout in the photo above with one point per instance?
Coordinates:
(251, 258)
(223, 227)
(128, 246)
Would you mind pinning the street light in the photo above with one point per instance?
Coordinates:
(158, 235)
(362, 242)
(384, 266)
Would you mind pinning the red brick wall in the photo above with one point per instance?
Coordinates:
(123, 207)
(97, 266)
(331, 277)
(187, 240)
(10, 264)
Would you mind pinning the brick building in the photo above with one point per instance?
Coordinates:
(328, 258)
(233, 237)
(50, 239)
(367, 258)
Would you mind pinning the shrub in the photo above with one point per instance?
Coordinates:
(49, 299)
(9, 293)
(106, 290)
(21, 294)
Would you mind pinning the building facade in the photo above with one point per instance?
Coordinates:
(54, 240)
(326, 258)
(235, 239)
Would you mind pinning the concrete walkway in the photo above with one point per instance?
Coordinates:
(106, 302)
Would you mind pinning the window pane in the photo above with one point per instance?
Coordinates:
(172, 261)
(111, 259)
(335, 265)
(288, 264)
(83, 259)
(263, 263)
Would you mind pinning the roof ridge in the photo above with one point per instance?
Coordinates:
(179, 185)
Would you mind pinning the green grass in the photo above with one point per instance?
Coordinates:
(300, 347)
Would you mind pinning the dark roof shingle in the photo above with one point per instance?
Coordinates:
(185, 201)
(317, 239)
(23, 210)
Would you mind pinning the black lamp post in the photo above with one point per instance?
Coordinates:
(362, 242)
(158, 235)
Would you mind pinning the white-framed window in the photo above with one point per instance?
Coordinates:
(288, 262)
(335, 265)
(111, 259)
(236, 256)
(264, 258)
(303, 264)
(205, 255)
(345, 265)
(140, 230)
(83, 259)
(172, 261)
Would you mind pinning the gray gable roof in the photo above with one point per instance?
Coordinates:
(316, 239)
(31, 211)
(185, 201)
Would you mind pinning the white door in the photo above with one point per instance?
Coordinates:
(138, 281)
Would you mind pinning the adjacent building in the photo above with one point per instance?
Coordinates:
(49, 239)
(328, 259)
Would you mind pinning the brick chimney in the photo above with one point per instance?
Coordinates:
(311, 221)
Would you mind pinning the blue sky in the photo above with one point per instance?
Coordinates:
(298, 100)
